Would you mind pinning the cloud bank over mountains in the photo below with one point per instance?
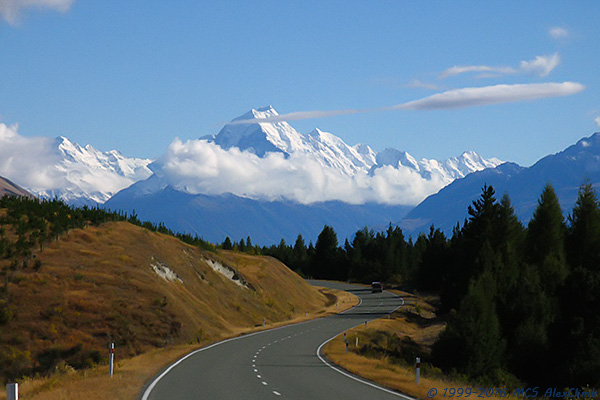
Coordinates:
(257, 160)
(272, 161)
(201, 167)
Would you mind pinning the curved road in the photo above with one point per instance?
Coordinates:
(279, 363)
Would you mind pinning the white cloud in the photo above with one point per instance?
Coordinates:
(541, 65)
(597, 121)
(10, 10)
(478, 96)
(456, 98)
(416, 83)
(198, 166)
(558, 32)
(25, 160)
(463, 69)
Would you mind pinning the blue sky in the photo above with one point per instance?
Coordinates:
(133, 75)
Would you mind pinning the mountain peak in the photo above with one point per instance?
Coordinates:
(258, 113)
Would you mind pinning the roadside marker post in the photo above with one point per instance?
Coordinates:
(111, 362)
(418, 369)
(263, 321)
(12, 391)
(357, 342)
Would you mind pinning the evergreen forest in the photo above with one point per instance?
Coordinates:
(522, 302)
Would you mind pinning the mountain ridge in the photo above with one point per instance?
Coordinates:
(566, 170)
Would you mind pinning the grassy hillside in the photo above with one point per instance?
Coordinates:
(120, 282)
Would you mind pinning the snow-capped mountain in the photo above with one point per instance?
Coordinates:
(91, 175)
(261, 137)
(565, 170)
(448, 170)
(260, 177)
(60, 168)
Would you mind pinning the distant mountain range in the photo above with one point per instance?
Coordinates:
(92, 176)
(331, 151)
(566, 171)
(266, 180)
(57, 167)
(189, 191)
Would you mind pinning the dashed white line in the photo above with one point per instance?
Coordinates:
(259, 377)
(276, 393)
(265, 383)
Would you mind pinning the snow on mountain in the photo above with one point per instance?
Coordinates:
(91, 175)
(565, 171)
(60, 168)
(446, 170)
(255, 158)
(263, 137)
(331, 151)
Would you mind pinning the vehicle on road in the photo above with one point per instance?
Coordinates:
(376, 287)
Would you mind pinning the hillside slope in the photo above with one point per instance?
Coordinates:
(8, 187)
(119, 282)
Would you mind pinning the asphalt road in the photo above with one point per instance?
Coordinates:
(279, 363)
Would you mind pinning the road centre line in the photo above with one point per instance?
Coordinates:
(153, 384)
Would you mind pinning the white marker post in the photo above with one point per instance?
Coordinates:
(263, 321)
(12, 391)
(111, 361)
(357, 342)
(418, 369)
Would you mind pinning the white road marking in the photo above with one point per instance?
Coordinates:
(153, 384)
(259, 377)
(276, 393)
(264, 383)
(255, 370)
(354, 377)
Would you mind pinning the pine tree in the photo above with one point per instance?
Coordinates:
(327, 261)
(299, 255)
(546, 240)
(577, 339)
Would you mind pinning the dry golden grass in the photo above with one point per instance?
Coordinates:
(97, 285)
(132, 374)
(416, 320)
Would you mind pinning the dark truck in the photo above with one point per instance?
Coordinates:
(376, 287)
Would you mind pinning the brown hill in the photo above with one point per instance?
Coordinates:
(119, 282)
(8, 187)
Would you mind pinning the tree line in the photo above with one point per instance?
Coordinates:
(523, 301)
